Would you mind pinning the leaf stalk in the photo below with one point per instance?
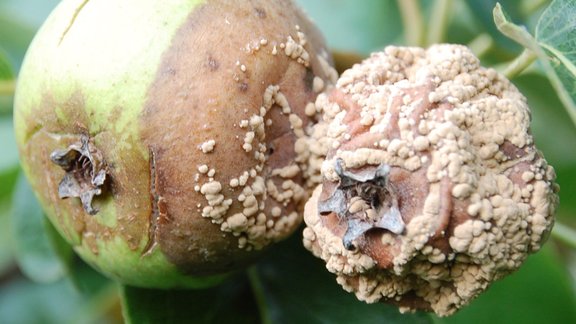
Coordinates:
(412, 21)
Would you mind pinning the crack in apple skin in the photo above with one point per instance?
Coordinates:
(85, 172)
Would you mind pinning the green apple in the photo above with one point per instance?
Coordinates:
(161, 136)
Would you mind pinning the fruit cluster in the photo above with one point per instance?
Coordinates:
(171, 142)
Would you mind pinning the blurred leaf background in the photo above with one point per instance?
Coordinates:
(42, 281)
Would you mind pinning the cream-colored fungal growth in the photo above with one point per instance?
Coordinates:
(208, 146)
(432, 187)
(263, 204)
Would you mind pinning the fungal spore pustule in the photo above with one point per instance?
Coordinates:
(431, 185)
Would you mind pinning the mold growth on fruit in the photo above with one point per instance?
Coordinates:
(269, 192)
(260, 186)
(241, 189)
(207, 146)
(446, 144)
(85, 172)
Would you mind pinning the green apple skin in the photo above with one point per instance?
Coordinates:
(148, 82)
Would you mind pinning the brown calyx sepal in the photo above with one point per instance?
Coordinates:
(85, 172)
(364, 200)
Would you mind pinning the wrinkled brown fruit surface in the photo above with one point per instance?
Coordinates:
(432, 187)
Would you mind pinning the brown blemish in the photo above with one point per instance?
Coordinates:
(48, 131)
(154, 212)
(260, 13)
(383, 255)
(243, 87)
(412, 301)
(511, 151)
(446, 206)
(170, 71)
(196, 244)
(355, 129)
(411, 194)
(309, 80)
(410, 190)
(213, 64)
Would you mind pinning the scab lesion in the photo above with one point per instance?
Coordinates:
(364, 200)
(85, 172)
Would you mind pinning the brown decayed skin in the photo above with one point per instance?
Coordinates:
(210, 86)
(475, 195)
(205, 104)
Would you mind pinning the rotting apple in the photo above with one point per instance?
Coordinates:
(432, 185)
(159, 135)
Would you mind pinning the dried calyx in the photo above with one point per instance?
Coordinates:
(431, 186)
(364, 201)
(85, 172)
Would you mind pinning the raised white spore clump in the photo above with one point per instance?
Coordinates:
(432, 187)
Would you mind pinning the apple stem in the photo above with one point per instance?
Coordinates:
(439, 20)
(519, 64)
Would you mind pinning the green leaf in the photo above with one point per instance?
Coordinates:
(9, 153)
(6, 255)
(295, 287)
(22, 301)
(483, 14)
(34, 252)
(230, 302)
(556, 34)
(515, 32)
(540, 292)
(8, 178)
(6, 71)
(557, 62)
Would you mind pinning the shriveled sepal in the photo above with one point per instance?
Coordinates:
(85, 172)
(365, 201)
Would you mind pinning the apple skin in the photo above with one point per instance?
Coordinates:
(156, 91)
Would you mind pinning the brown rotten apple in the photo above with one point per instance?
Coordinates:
(159, 135)
(432, 187)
